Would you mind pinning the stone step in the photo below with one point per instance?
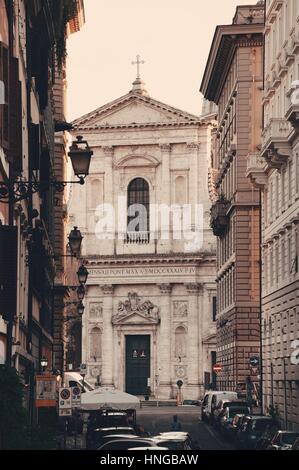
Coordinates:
(157, 403)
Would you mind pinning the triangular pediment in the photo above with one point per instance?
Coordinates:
(134, 318)
(131, 110)
(209, 339)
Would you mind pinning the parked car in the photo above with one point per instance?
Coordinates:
(283, 440)
(235, 425)
(219, 410)
(174, 441)
(228, 415)
(95, 438)
(191, 403)
(252, 429)
(107, 418)
(296, 444)
(211, 401)
(267, 437)
(116, 437)
(126, 444)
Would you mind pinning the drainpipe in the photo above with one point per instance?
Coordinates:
(260, 309)
(9, 330)
(285, 393)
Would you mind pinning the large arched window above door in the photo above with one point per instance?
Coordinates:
(138, 214)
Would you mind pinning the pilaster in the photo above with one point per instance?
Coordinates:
(107, 338)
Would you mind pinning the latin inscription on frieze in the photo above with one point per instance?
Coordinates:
(142, 271)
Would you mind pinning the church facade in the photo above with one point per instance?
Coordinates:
(150, 304)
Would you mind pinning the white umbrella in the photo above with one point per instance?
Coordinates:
(103, 397)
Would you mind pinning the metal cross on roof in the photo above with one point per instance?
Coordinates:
(138, 63)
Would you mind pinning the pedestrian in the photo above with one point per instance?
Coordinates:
(176, 425)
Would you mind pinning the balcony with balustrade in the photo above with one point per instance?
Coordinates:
(292, 112)
(137, 238)
(136, 243)
(276, 148)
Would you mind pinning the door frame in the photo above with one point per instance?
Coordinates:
(148, 340)
(120, 369)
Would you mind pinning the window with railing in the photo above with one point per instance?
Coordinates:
(138, 212)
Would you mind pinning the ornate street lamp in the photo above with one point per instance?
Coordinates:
(44, 363)
(80, 155)
(81, 292)
(82, 274)
(75, 241)
(80, 309)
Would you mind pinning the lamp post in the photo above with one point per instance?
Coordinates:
(81, 292)
(82, 274)
(75, 241)
(80, 309)
(18, 190)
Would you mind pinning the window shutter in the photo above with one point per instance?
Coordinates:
(4, 77)
(15, 117)
(8, 271)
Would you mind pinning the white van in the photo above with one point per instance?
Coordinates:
(211, 401)
(75, 379)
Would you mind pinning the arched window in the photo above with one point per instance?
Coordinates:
(96, 344)
(138, 211)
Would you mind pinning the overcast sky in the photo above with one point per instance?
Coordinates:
(172, 36)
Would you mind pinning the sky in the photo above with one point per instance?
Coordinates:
(173, 37)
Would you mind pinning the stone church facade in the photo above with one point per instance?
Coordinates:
(150, 303)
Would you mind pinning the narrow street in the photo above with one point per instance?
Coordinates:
(156, 420)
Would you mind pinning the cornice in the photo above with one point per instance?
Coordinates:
(226, 39)
(196, 258)
(141, 125)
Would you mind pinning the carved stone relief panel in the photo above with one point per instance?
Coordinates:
(96, 311)
(181, 372)
(180, 309)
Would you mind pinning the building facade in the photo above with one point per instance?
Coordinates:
(30, 32)
(149, 302)
(277, 173)
(233, 80)
(66, 265)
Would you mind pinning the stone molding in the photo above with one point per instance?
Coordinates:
(165, 288)
(193, 287)
(165, 148)
(108, 150)
(108, 289)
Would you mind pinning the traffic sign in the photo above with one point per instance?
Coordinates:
(76, 397)
(65, 411)
(254, 361)
(180, 383)
(217, 368)
(83, 369)
(65, 399)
